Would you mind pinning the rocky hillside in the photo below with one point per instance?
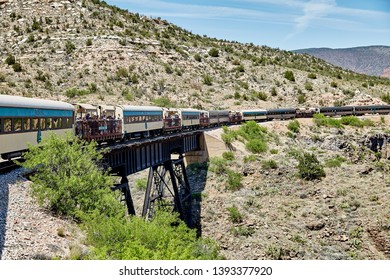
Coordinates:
(372, 60)
(87, 51)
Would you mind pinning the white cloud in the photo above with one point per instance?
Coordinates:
(313, 10)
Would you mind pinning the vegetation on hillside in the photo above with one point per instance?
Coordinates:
(69, 181)
(107, 54)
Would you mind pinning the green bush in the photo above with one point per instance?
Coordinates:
(229, 155)
(10, 60)
(68, 179)
(269, 164)
(17, 67)
(301, 98)
(207, 80)
(289, 75)
(228, 136)
(69, 47)
(257, 146)
(164, 102)
(234, 180)
(386, 98)
(312, 76)
(213, 52)
(294, 126)
(235, 215)
(309, 167)
(141, 184)
(218, 165)
(309, 86)
(165, 237)
(334, 162)
(197, 57)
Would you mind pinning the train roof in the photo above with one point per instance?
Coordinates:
(27, 102)
(140, 108)
(282, 110)
(335, 108)
(253, 110)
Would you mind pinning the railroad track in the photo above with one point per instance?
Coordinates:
(8, 166)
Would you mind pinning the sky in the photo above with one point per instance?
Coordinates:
(283, 24)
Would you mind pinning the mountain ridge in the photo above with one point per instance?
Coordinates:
(370, 60)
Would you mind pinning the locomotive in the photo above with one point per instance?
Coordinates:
(29, 120)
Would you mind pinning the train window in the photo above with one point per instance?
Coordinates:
(7, 125)
(55, 123)
(48, 123)
(59, 123)
(1, 126)
(35, 124)
(68, 123)
(26, 124)
(17, 125)
(42, 123)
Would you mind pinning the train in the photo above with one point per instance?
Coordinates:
(26, 120)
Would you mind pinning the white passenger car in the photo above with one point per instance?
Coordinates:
(140, 121)
(26, 121)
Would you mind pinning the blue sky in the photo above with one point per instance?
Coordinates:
(284, 24)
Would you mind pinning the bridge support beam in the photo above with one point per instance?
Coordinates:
(124, 187)
(168, 186)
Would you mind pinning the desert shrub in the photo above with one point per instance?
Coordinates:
(257, 146)
(294, 126)
(309, 167)
(165, 237)
(235, 215)
(269, 164)
(229, 155)
(163, 101)
(68, 179)
(322, 120)
(251, 130)
(218, 165)
(301, 98)
(17, 67)
(10, 60)
(335, 162)
(197, 57)
(207, 80)
(141, 183)
(355, 121)
(69, 47)
(309, 86)
(234, 180)
(213, 52)
(386, 98)
(289, 75)
(228, 136)
(73, 92)
(312, 76)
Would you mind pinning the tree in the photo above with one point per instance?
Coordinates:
(68, 179)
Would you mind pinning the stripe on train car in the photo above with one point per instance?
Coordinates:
(142, 113)
(32, 112)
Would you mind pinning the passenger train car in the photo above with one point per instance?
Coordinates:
(26, 121)
(29, 120)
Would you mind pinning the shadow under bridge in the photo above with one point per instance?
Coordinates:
(167, 182)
